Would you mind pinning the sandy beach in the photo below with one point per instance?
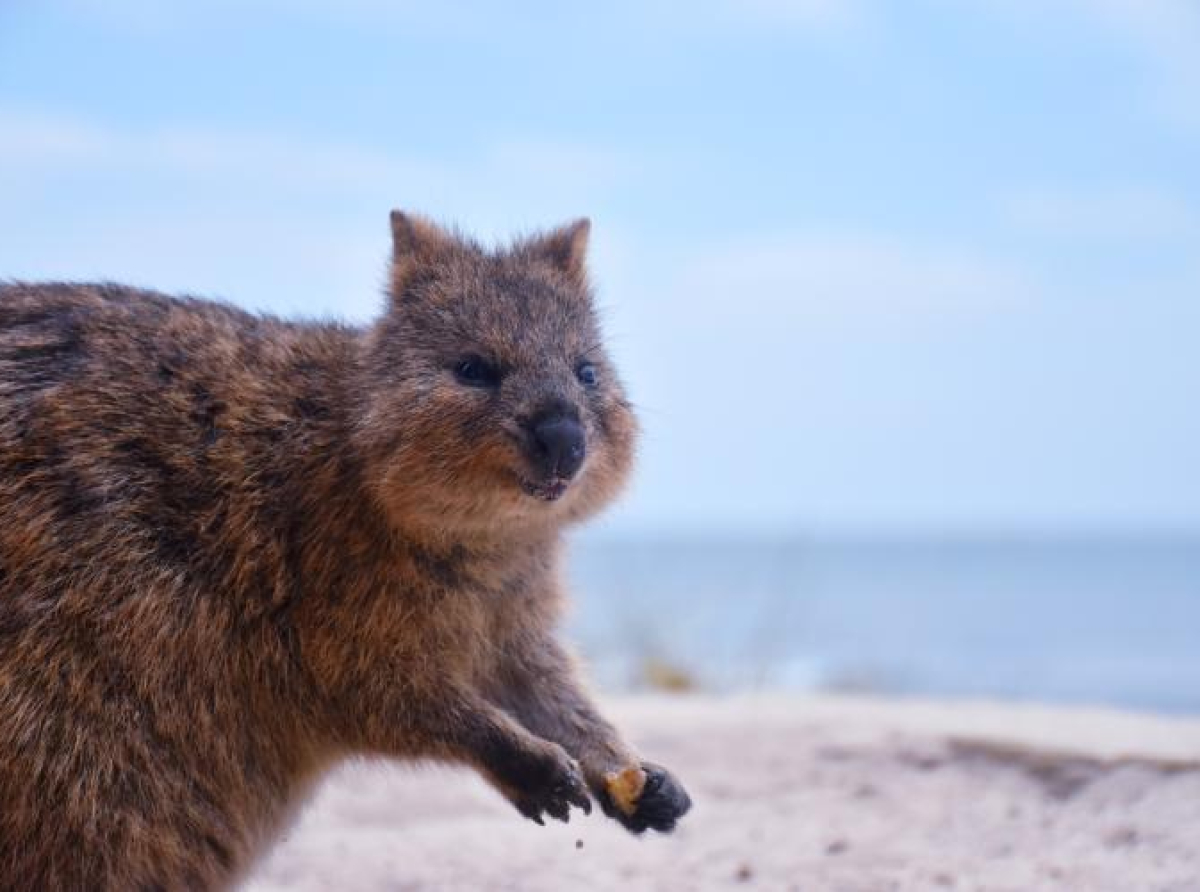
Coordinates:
(819, 793)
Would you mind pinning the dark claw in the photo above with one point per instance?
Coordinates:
(563, 789)
(558, 809)
(662, 803)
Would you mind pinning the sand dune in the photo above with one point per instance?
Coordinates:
(799, 793)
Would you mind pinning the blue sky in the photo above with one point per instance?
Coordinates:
(868, 266)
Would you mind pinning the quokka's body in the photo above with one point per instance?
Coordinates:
(234, 550)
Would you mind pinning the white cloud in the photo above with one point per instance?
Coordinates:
(1167, 32)
(859, 277)
(546, 178)
(1128, 216)
(42, 143)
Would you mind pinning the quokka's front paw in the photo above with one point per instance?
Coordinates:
(644, 798)
(550, 784)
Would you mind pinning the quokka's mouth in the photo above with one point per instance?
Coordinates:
(546, 490)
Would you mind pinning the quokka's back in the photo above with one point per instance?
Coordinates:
(146, 558)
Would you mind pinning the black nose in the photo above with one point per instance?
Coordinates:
(559, 445)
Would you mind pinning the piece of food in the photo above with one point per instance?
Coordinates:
(625, 788)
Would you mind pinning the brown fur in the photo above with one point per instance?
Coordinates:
(235, 550)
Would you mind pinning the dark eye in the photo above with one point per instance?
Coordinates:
(475, 371)
(587, 374)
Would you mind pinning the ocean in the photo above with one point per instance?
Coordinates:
(1105, 622)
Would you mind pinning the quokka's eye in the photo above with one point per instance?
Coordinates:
(475, 371)
(587, 374)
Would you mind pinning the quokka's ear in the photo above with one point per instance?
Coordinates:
(566, 247)
(416, 238)
(416, 243)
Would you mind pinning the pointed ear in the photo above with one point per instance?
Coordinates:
(566, 248)
(416, 238)
(417, 244)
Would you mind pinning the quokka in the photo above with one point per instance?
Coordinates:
(235, 550)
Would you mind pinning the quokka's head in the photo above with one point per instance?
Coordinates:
(490, 404)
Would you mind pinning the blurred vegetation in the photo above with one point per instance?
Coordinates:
(660, 675)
